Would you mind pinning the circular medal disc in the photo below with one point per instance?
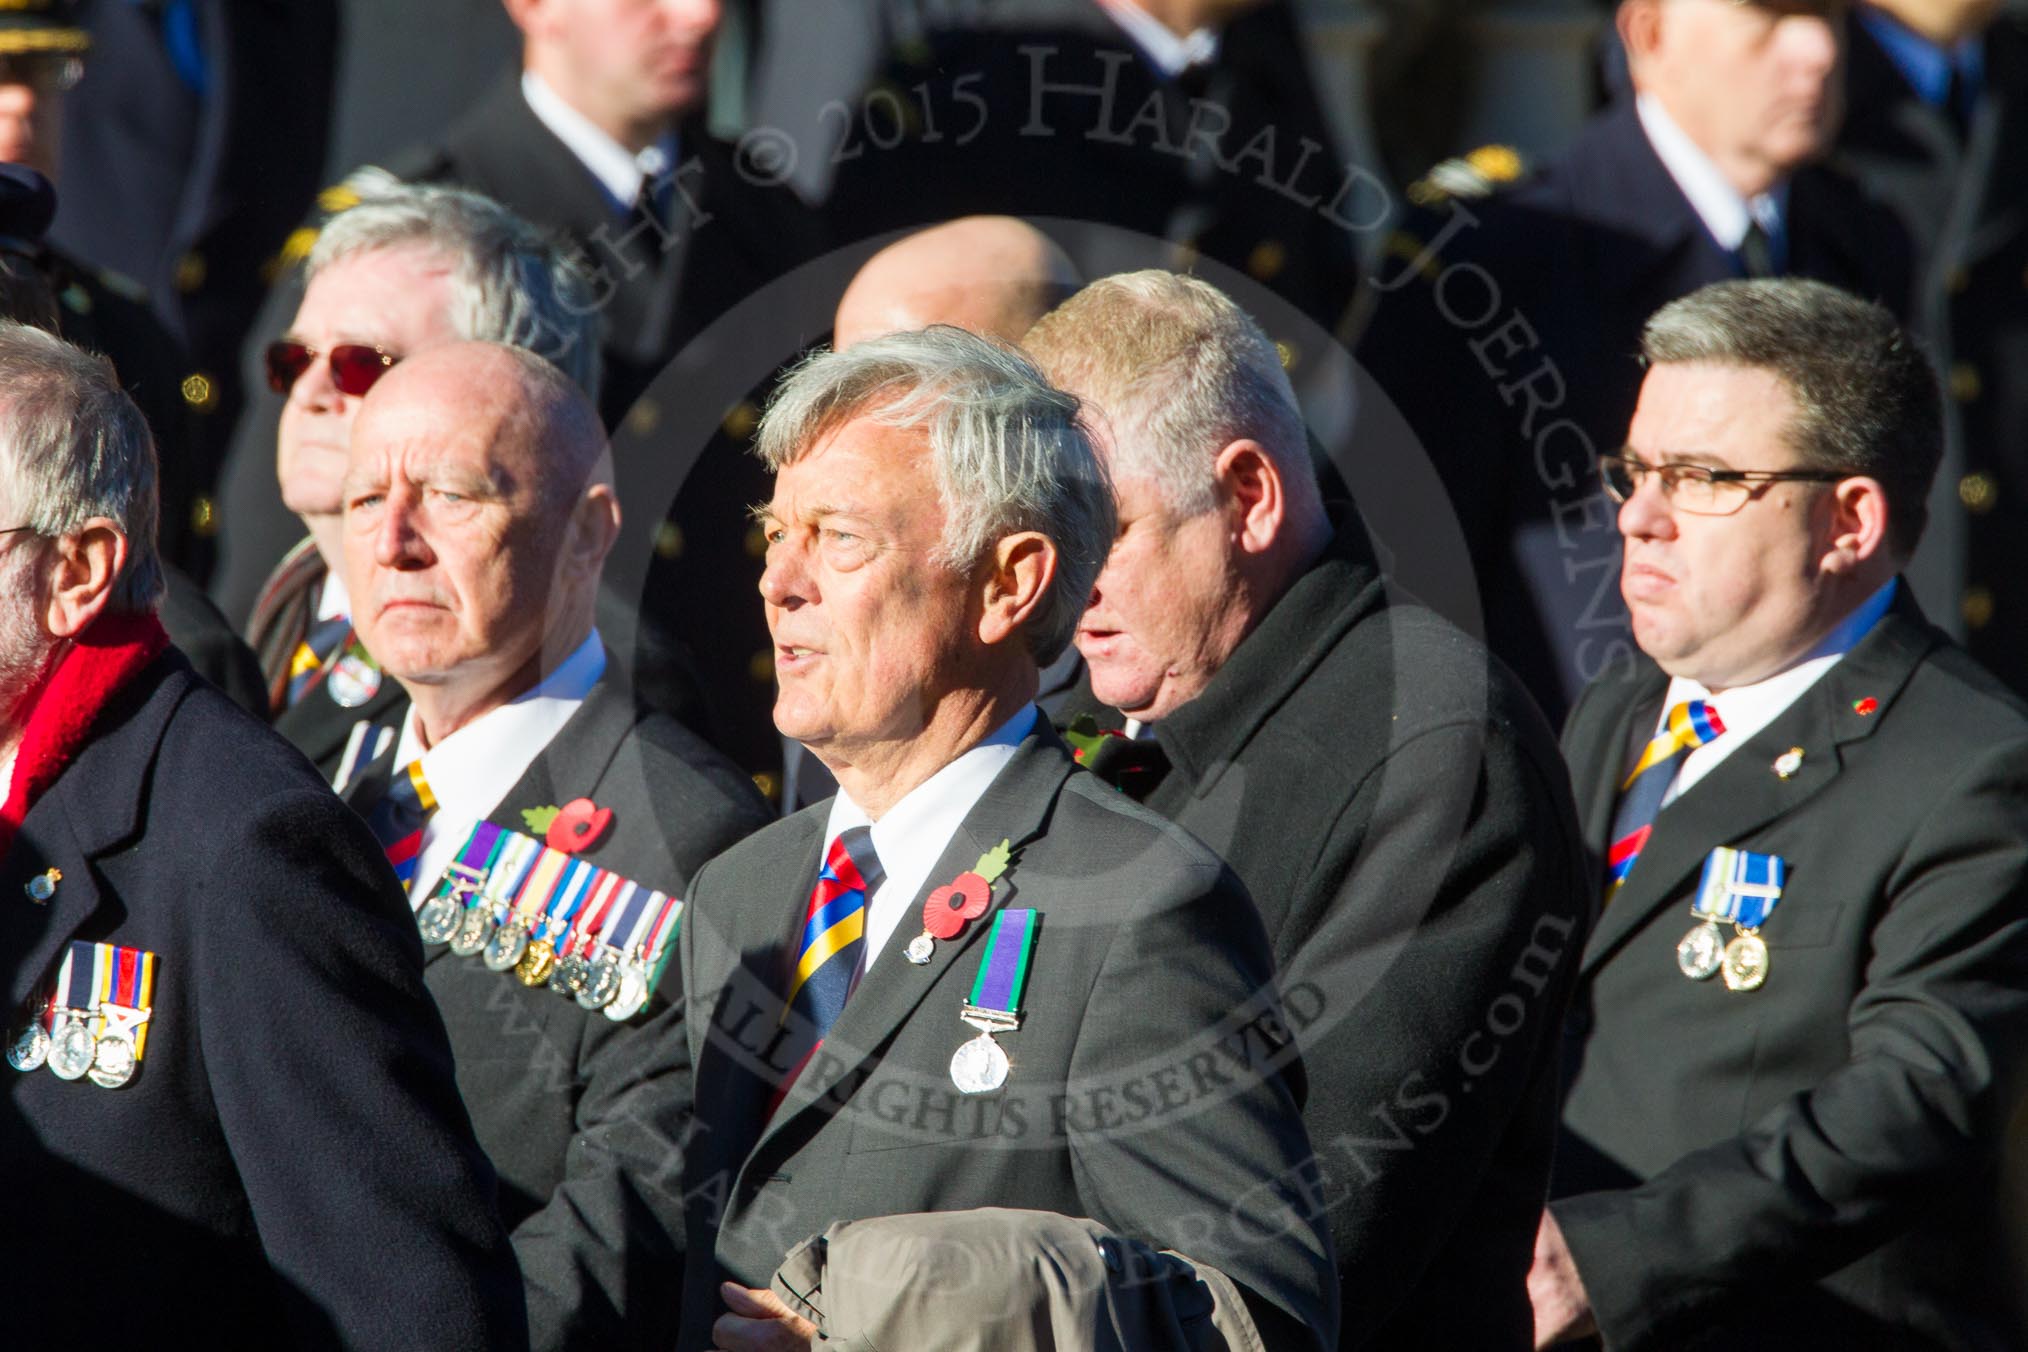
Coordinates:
(41, 887)
(602, 982)
(1702, 952)
(72, 1049)
(439, 919)
(506, 946)
(473, 931)
(980, 1066)
(113, 1062)
(632, 994)
(920, 949)
(538, 960)
(570, 975)
(29, 1049)
(1745, 962)
(353, 681)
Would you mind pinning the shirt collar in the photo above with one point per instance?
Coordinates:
(470, 770)
(619, 171)
(1746, 709)
(1168, 53)
(333, 601)
(1718, 204)
(1927, 67)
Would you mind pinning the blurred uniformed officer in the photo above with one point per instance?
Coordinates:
(1938, 127)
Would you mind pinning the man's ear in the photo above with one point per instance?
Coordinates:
(83, 567)
(526, 15)
(1255, 496)
(1639, 23)
(1858, 512)
(594, 530)
(1018, 575)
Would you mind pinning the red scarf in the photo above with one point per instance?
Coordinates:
(111, 652)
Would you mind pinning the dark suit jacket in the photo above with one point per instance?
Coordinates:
(1141, 1093)
(582, 1116)
(1552, 282)
(1957, 188)
(290, 1164)
(1812, 1163)
(923, 112)
(1396, 806)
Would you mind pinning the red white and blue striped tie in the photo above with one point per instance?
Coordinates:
(831, 942)
(1691, 724)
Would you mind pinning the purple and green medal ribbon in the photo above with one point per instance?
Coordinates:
(478, 855)
(1003, 972)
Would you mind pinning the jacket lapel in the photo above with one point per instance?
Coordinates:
(1744, 793)
(1016, 808)
(579, 756)
(93, 808)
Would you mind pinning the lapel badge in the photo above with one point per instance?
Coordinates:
(1866, 707)
(573, 828)
(958, 903)
(42, 886)
(1789, 762)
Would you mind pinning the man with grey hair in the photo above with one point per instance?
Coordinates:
(546, 820)
(1074, 1011)
(211, 993)
(393, 276)
(1388, 794)
(1801, 1025)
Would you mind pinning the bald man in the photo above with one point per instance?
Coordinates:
(994, 275)
(543, 821)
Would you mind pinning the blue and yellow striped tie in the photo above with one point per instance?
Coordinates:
(834, 928)
(1691, 724)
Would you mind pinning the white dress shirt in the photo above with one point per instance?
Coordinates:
(1718, 204)
(1746, 709)
(1165, 51)
(913, 834)
(619, 170)
(471, 770)
(333, 601)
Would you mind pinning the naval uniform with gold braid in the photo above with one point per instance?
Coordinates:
(576, 1109)
(1807, 1154)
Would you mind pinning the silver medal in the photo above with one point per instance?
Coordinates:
(979, 1066)
(72, 1047)
(632, 995)
(29, 1049)
(113, 1061)
(353, 681)
(1702, 952)
(473, 931)
(1745, 961)
(439, 919)
(920, 949)
(507, 945)
(602, 982)
(570, 975)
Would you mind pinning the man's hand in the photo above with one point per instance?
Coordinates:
(757, 1321)
(1562, 1309)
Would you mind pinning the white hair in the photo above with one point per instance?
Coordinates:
(76, 447)
(1008, 449)
(1180, 372)
(509, 282)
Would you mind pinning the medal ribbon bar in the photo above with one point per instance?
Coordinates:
(1003, 972)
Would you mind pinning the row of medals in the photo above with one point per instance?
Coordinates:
(73, 1051)
(612, 981)
(1703, 953)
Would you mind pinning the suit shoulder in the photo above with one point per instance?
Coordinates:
(1090, 806)
(1971, 707)
(686, 775)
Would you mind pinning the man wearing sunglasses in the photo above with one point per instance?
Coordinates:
(1505, 327)
(1801, 1019)
(414, 268)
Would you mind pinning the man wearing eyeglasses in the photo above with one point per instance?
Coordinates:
(411, 269)
(1506, 327)
(1800, 1021)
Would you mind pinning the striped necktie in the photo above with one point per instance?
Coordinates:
(397, 820)
(834, 926)
(1691, 724)
(324, 639)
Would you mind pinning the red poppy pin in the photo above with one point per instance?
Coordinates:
(1865, 707)
(573, 828)
(959, 902)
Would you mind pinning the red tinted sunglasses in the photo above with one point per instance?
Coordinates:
(354, 366)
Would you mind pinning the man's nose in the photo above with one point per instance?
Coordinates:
(785, 580)
(1647, 513)
(400, 542)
